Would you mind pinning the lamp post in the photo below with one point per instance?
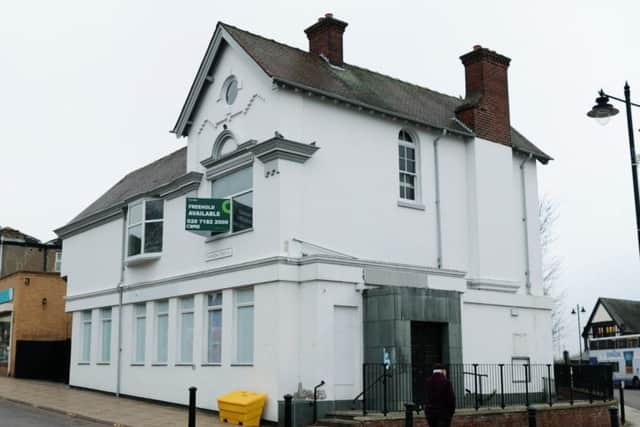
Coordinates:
(579, 309)
(602, 112)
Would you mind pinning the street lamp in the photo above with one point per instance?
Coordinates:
(579, 309)
(602, 112)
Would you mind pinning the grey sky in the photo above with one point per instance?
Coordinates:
(89, 90)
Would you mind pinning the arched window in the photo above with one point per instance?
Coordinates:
(408, 167)
(226, 143)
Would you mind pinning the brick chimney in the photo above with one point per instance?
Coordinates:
(486, 104)
(325, 38)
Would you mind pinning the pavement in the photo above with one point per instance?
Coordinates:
(632, 416)
(98, 407)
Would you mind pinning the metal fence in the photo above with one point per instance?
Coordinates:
(386, 388)
(582, 382)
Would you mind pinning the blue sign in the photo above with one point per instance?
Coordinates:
(6, 295)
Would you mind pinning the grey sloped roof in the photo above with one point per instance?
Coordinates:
(626, 313)
(370, 89)
(160, 172)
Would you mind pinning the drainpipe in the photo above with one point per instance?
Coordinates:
(436, 171)
(525, 224)
(120, 283)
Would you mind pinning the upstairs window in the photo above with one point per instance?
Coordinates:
(144, 230)
(58, 264)
(407, 167)
(237, 186)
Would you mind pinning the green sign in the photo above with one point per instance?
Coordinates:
(208, 214)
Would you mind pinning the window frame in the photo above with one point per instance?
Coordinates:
(142, 223)
(136, 338)
(515, 374)
(156, 335)
(57, 265)
(237, 306)
(414, 145)
(209, 308)
(232, 197)
(180, 335)
(85, 341)
(103, 321)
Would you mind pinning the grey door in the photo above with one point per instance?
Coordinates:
(426, 350)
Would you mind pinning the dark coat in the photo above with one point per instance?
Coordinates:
(439, 398)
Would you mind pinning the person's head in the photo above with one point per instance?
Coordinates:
(439, 369)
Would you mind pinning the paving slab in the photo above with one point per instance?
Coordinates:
(99, 407)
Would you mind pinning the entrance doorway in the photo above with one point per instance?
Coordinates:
(426, 350)
(5, 342)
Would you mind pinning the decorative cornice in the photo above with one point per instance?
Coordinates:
(494, 285)
(280, 148)
(168, 191)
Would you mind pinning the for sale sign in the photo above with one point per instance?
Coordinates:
(208, 214)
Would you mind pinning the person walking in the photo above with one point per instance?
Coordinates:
(440, 401)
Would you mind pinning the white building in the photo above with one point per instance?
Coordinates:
(427, 201)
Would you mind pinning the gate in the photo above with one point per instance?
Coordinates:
(43, 360)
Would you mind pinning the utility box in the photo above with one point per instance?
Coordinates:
(242, 408)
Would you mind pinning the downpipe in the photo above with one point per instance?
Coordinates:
(525, 224)
(120, 283)
(436, 171)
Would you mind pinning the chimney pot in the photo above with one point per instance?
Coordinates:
(325, 38)
(486, 105)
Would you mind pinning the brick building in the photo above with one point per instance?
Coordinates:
(34, 328)
(19, 251)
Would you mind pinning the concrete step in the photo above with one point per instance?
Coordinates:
(344, 415)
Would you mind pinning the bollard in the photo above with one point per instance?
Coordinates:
(622, 415)
(385, 410)
(475, 381)
(526, 383)
(613, 415)
(408, 414)
(502, 385)
(192, 407)
(287, 410)
(531, 411)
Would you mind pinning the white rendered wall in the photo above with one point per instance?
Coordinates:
(291, 346)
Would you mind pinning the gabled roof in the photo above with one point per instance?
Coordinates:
(360, 87)
(626, 314)
(163, 176)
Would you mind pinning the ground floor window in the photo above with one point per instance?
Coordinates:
(244, 325)
(162, 331)
(186, 330)
(105, 332)
(140, 326)
(86, 336)
(5, 340)
(214, 327)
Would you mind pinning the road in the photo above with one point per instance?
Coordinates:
(631, 397)
(19, 415)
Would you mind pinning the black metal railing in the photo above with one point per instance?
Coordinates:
(387, 388)
(584, 382)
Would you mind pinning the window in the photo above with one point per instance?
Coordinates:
(521, 369)
(600, 331)
(244, 325)
(162, 331)
(214, 327)
(105, 333)
(58, 264)
(186, 330)
(237, 186)
(140, 326)
(230, 90)
(86, 336)
(408, 167)
(144, 232)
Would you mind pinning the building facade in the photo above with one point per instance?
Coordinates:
(32, 311)
(21, 252)
(368, 216)
(612, 335)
